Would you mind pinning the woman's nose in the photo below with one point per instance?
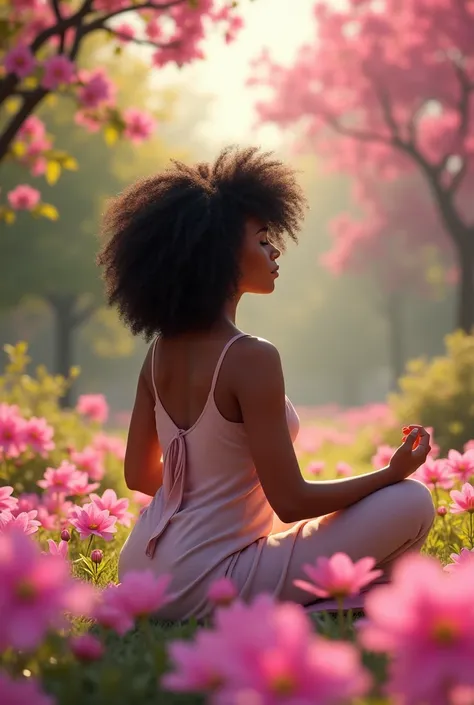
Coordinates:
(275, 253)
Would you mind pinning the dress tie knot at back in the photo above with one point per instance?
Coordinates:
(174, 465)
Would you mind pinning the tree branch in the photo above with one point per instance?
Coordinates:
(12, 128)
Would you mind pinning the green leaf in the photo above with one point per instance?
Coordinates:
(53, 172)
(47, 210)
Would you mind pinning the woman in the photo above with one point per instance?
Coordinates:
(211, 432)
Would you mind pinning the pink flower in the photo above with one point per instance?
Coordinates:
(139, 125)
(424, 620)
(19, 61)
(344, 470)
(434, 473)
(6, 501)
(11, 432)
(94, 406)
(86, 647)
(461, 466)
(81, 485)
(24, 521)
(463, 501)
(383, 456)
(90, 460)
(32, 128)
(58, 549)
(58, 70)
(35, 591)
(142, 593)
(338, 576)
(22, 691)
(109, 611)
(97, 556)
(468, 446)
(90, 520)
(125, 32)
(143, 500)
(117, 507)
(62, 479)
(222, 592)
(54, 512)
(24, 198)
(316, 467)
(283, 661)
(109, 444)
(97, 89)
(459, 559)
(38, 434)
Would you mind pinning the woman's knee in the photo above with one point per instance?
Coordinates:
(417, 500)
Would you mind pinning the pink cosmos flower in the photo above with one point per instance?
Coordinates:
(139, 125)
(424, 620)
(22, 691)
(11, 432)
(24, 197)
(383, 456)
(90, 461)
(143, 500)
(316, 467)
(460, 465)
(6, 501)
(94, 406)
(142, 593)
(35, 591)
(463, 501)
(19, 61)
(24, 521)
(86, 647)
(109, 611)
(434, 473)
(338, 576)
(81, 485)
(460, 559)
(38, 434)
(90, 520)
(62, 479)
(117, 507)
(26, 502)
(222, 592)
(344, 469)
(58, 549)
(109, 444)
(283, 661)
(58, 70)
(468, 446)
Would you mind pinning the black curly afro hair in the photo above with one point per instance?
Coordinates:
(173, 240)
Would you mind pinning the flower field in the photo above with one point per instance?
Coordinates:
(70, 634)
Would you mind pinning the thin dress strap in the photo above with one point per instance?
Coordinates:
(221, 360)
(153, 367)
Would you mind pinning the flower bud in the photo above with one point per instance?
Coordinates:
(97, 555)
(65, 535)
(442, 511)
(222, 592)
(86, 648)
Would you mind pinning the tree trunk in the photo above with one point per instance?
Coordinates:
(465, 308)
(394, 309)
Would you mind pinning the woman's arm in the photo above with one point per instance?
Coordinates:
(143, 457)
(261, 394)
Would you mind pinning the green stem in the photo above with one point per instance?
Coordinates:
(471, 529)
(88, 552)
(436, 494)
(147, 631)
(340, 617)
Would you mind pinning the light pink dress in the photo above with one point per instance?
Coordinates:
(211, 518)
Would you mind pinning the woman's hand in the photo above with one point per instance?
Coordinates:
(410, 455)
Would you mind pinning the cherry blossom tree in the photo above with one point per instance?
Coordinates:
(41, 43)
(386, 91)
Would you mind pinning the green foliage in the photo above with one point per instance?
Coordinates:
(439, 393)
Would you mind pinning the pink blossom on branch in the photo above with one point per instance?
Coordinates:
(20, 61)
(24, 197)
(139, 125)
(57, 70)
